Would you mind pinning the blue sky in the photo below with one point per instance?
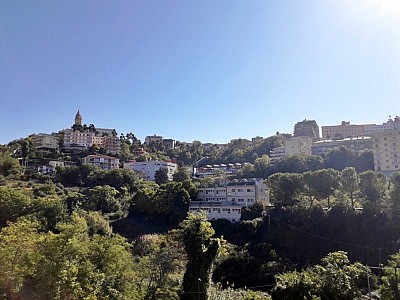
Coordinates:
(197, 70)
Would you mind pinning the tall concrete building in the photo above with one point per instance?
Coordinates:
(306, 128)
(386, 150)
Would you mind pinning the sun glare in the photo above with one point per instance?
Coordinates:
(380, 9)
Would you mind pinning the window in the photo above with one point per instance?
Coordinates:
(249, 190)
(232, 190)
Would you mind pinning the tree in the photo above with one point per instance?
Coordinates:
(390, 287)
(339, 158)
(102, 198)
(9, 167)
(395, 195)
(161, 176)
(182, 174)
(334, 278)
(350, 183)
(285, 188)
(13, 204)
(201, 250)
(261, 165)
(18, 255)
(372, 189)
(325, 183)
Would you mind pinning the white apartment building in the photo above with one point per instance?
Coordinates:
(293, 146)
(102, 161)
(149, 168)
(386, 150)
(227, 200)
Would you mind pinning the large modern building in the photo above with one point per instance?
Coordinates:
(102, 161)
(149, 168)
(347, 130)
(306, 128)
(386, 149)
(226, 200)
(344, 130)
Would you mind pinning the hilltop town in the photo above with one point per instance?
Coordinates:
(87, 200)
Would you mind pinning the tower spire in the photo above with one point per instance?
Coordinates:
(78, 118)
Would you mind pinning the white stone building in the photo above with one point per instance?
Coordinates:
(149, 168)
(227, 200)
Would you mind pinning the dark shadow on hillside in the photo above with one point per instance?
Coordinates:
(137, 224)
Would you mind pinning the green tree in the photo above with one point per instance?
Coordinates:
(161, 176)
(372, 189)
(9, 167)
(325, 183)
(182, 174)
(390, 287)
(102, 198)
(201, 250)
(339, 158)
(13, 204)
(334, 278)
(261, 165)
(350, 183)
(285, 188)
(18, 255)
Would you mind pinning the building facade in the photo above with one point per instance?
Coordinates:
(157, 139)
(356, 145)
(347, 130)
(102, 161)
(225, 201)
(308, 128)
(45, 142)
(386, 150)
(149, 168)
(293, 146)
(81, 140)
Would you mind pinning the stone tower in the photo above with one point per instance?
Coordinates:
(78, 118)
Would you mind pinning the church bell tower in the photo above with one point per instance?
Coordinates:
(78, 118)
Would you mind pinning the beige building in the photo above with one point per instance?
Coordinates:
(344, 130)
(153, 139)
(80, 140)
(386, 150)
(347, 130)
(102, 161)
(293, 146)
(44, 141)
(298, 145)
